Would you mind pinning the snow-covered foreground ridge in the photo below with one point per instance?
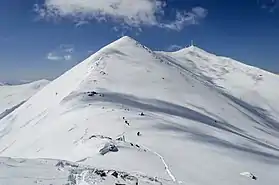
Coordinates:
(187, 117)
(59, 172)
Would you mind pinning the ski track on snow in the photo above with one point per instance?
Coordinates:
(170, 174)
(164, 163)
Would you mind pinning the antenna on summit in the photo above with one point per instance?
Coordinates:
(192, 43)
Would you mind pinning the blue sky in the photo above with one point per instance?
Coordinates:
(44, 38)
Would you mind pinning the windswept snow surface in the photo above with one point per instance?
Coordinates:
(12, 96)
(193, 131)
(252, 85)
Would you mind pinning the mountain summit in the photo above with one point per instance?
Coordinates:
(242, 81)
(176, 117)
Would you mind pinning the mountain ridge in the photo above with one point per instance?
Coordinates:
(13, 96)
(198, 50)
(131, 109)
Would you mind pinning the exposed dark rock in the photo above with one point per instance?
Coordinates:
(109, 147)
(101, 173)
(92, 137)
(60, 164)
(92, 93)
(113, 148)
(100, 136)
(123, 176)
(115, 174)
(119, 139)
(71, 165)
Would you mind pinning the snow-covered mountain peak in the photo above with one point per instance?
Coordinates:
(125, 40)
(129, 109)
(123, 45)
(195, 51)
(116, 67)
(234, 77)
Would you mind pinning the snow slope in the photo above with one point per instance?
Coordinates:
(255, 86)
(191, 131)
(12, 96)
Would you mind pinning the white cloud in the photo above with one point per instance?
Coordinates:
(182, 19)
(63, 53)
(174, 47)
(67, 48)
(200, 12)
(58, 57)
(80, 23)
(187, 18)
(54, 57)
(67, 57)
(269, 5)
(131, 12)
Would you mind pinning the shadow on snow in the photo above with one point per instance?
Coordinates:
(159, 106)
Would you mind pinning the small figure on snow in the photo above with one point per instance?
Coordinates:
(127, 122)
(141, 114)
(138, 134)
